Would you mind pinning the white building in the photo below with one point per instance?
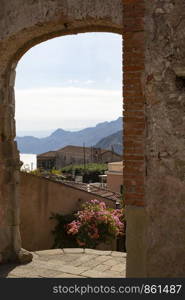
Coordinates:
(29, 162)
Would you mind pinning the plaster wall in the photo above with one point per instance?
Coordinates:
(40, 198)
(114, 182)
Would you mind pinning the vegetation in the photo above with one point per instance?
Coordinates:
(56, 172)
(36, 172)
(61, 238)
(122, 199)
(81, 169)
(90, 172)
(93, 224)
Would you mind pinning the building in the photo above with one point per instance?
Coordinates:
(47, 161)
(115, 176)
(29, 162)
(75, 155)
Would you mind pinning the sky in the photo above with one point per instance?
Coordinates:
(71, 82)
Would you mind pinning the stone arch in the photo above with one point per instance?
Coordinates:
(35, 22)
(25, 24)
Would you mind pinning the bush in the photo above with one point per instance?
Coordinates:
(61, 238)
(90, 173)
(36, 172)
(80, 170)
(92, 225)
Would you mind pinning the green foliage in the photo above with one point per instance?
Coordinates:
(61, 238)
(56, 172)
(122, 200)
(90, 172)
(93, 224)
(79, 169)
(36, 172)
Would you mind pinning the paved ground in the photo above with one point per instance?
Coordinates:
(67, 263)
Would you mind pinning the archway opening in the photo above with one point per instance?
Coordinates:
(80, 94)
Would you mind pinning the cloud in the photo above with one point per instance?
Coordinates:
(73, 81)
(89, 81)
(78, 83)
(65, 107)
(62, 61)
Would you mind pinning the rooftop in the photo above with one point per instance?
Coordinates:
(94, 190)
(75, 149)
(47, 154)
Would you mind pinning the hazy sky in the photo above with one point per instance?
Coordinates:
(70, 82)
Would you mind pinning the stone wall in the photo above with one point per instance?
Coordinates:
(39, 198)
(24, 24)
(154, 100)
(165, 141)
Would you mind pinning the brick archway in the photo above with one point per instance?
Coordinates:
(25, 25)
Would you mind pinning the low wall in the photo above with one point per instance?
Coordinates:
(39, 198)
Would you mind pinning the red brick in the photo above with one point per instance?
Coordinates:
(134, 157)
(132, 143)
(133, 171)
(133, 67)
(133, 106)
(133, 59)
(135, 178)
(133, 39)
(136, 114)
(134, 129)
(134, 132)
(140, 189)
(134, 101)
(135, 151)
(134, 75)
(134, 196)
(134, 119)
(136, 96)
(134, 202)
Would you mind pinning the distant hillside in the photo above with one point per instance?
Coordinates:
(61, 138)
(113, 141)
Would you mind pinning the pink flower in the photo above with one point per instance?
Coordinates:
(102, 205)
(73, 227)
(96, 222)
(95, 201)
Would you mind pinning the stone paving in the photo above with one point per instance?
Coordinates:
(68, 263)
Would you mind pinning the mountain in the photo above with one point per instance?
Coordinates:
(61, 138)
(113, 141)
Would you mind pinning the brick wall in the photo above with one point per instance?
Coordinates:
(134, 102)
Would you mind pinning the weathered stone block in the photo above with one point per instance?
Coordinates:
(24, 256)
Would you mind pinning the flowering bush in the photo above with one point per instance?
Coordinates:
(61, 238)
(96, 223)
